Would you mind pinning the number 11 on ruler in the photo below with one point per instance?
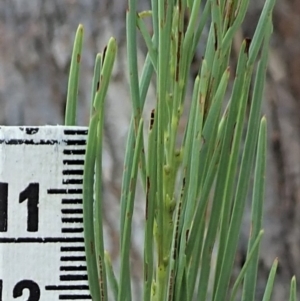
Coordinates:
(41, 224)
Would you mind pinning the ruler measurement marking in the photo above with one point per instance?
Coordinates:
(29, 130)
(42, 142)
(73, 162)
(72, 249)
(66, 287)
(72, 181)
(74, 201)
(72, 258)
(29, 142)
(73, 277)
(75, 132)
(75, 142)
(72, 152)
(64, 191)
(71, 220)
(75, 172)
(41, 239)
(66, 268)
(71, 201)
(72, 211)
(72, 230)
(74, 297)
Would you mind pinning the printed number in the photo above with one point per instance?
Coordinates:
(3, 206)
(34, 290)
(30, 193)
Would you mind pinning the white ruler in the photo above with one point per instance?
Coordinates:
(41, 220)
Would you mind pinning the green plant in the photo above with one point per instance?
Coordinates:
(195, 189)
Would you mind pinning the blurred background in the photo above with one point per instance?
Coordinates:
(36, 39)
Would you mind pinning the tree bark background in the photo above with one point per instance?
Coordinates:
(36, 39)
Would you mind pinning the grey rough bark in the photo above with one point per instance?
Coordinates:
(35, 46)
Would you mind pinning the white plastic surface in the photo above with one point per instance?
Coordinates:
(41, 232)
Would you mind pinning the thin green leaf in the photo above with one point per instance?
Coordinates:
(270, 282)
(88, 200)
(238, 19)
(111, 276)
(95, 266)
(131, 22)
(124, 286)
(293, 290)
(106, 71)
(96, 80)
(71, 105)
(98, 206)
(244, 175)
(257, 211)
(218, 200)
(249, 261)
(234, 126)
(152, 52)
(263, 23)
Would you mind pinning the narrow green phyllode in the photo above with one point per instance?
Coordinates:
(71, 105)
(192, 164)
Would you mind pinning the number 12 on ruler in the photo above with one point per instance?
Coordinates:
(34, 290)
